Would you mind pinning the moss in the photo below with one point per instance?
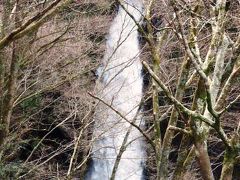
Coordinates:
(31, 103)
(9, 171)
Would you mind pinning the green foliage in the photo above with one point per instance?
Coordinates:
(31, 103)
(9, 171)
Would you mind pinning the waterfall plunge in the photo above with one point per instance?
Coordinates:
(120, 84)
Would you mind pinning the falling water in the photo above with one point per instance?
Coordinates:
(120, 85)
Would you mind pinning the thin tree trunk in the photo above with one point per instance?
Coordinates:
(8, 100)
(157, 128)
(166, 146)
(5, 22)
(120, 153)
(124, 145)
(185, 157)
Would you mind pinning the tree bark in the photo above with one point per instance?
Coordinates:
(203, 160)
(173, 118)
(8, 99)
(228, 165)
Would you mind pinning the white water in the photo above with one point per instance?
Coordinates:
(120, 84)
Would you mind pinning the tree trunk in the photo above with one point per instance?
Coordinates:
(173, 119)
(8, 99)
(185, 157)
(157, 129)
(203, 160)
(228, 165)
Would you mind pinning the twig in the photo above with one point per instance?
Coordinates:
(229, 105)
(123, 117)
(184, 131)
(176, 103)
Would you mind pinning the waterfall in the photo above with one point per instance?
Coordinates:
(120, 85)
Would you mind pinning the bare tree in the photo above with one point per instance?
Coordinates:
(210, 51)
(47, 58)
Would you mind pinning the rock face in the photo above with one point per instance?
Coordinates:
(120, 85)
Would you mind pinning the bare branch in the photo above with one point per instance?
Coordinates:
(34, 22)
(123, 117)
